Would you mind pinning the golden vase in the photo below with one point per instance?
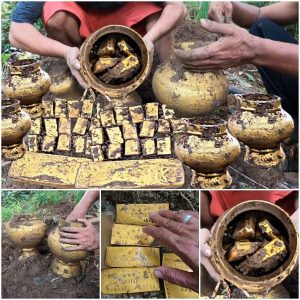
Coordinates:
(206, 146)
(28, 83)
(65, 263)
(26, 232)
(262, 125)
(15, 124)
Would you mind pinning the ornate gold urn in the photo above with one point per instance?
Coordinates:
(262, 125)
(28, 83)
(26, 232)
(122, 93)
(190, 94)
(65, 263)
(276, 256)
(206, 146)
(15, 124)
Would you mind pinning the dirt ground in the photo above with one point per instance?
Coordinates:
(32, 278)
(246, 79)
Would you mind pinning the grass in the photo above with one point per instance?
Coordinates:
(16, 202)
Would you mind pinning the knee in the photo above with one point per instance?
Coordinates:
(57, 23)
(259, 26)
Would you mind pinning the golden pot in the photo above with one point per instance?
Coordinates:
(207, 147)
(65, 263)
(15, 124)
(190, 94)
(26, 232)
(259, 284)
(262, 125)
(121, 90)
(64, 85)
(28, 83)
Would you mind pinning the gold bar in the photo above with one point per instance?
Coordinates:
(48, 143)
(48, 107)
(32, 143)
(167, 112)
(95, 123)
(79, 144)
(73, 108)
(64, 142)
(151, 111)
(128, 280)
(245, 229)
(114, 151)
(97, 153)
(132, 147)
(129, 131)
(51, 127)
(267, 229)
(97, 136)
(104, 63)
(147, 129)
(164, 146)
(87, 108)
(122, 257)
(80, 126)
(122, 115)
(115, 135)
(241, 249)
(60, 108)
(88, 146)
(107, 118)
(163, 126)
(130, 235)
(107, 48)
(125, 48)
(138, 214)
(36, 126)
(148, 147)
(64, 126)
(136, 113)
(178, 126)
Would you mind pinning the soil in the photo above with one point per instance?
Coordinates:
(32, 277)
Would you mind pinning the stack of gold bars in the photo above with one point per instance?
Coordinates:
(131, 258)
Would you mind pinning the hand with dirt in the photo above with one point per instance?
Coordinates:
(206, 254)
(235, 47)
(86, 238)
(220, 11)
(71, 55)
(150, 47)
(180, 238)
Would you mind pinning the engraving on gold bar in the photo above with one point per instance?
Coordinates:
(73, 108)
(132, 147)
(51, 127)
(60, 108)
(87, 108)
(147, 128)
(115, 135)
(107, 118)
(97, 136)
(136, 114)
(80, 126)
(64, 142)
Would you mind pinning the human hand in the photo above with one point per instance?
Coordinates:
(74, 215)
(150, 47)
(180, 238)
(220, 11)
(206, 254)
(71, 55)
(86, 238)
(235, 47)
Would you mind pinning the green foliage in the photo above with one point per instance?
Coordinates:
(197, 10)
(15, 202)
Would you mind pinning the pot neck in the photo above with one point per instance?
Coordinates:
(207, 127)
(10, 107)
(24, 69)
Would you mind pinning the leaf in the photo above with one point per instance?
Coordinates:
(250, 77)
(244, 83)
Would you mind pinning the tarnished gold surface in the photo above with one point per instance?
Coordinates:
(66, 263)
(64, 126)
(49, 142)
(79, 143)
(32, 142)
(132, 147)
(245, 229)
(64, 142)
(51, 127)
(138, 214)
(129, 131)
(14, 152)
(60, 108)
(87, 108)
(36, 126)
(147, 129)
(148, 147)
(97, 153)
(128, 280)
(115, 135)
(34, 110)
(48, 108)
(132, 257)
(189, 94)
(107, 118)
(136, 114)
(163, 126)
(73, 108)
(151, 111)
(164, 146)
(130, 235)
(174, 291)
(80, 126)
(261, 124)
(97, 136)
(267, 229)
(240, 249)
(104, 63)
(114, 151)
(26, 232)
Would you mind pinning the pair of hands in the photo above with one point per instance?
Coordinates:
(71, 55)
(236, 46)
(180, 238)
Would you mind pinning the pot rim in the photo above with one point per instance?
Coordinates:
(10, 106)
(21, 66)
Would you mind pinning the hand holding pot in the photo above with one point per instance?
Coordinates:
(183, 240)
(220, 11)
(86, 238)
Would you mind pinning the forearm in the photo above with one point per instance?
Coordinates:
(172, 14)
(279, 56)
(85, 203)
(25, 36)
(244, 14)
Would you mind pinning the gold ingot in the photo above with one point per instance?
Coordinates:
(163, 126)
(132, 147)
(130, 235)
(104, 63)
(48, 107)
(28, 83)
(79, 144)
(49, 142)
(147, 128)
(151, 111)
(97, 153)
(114, 151)
(174, 291)
(95, 123)
(46, 169)
(107, 48)
(241, 249)
(138, 214)
(64, 126)
(88, 146)
(129, 131)
(164, 146)
(168, 113)
(122, 115)
(32, 143)
(262, 125)
(128, 280)
(107, 118)
(87, 108)
(258, 284)
(115, 135)
(132, 257)
(245, 229)
(36, 126)
(136, 114)
(64, 142)
(80, 126)
(148, 147)
(66, 264)
(73, 109)
(51, 127)
(60, 108)
(15, 124)
(266, 228)
(97, 136)
(206, 146)
(26, 232)
(125, 48)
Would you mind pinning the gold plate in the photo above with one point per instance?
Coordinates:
(114, 151)
(79, 144)
(64, 142)
(51, 127)
(130, 235)
(80, 126)
(73, 109)
(138, 214)
(128, 280)
(60, 108)
(97, 153)
(87, 108)
(121, 257)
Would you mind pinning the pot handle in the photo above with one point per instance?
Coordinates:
(91, 95)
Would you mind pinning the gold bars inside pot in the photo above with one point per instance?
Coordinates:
(245, 229)
(241, 249)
